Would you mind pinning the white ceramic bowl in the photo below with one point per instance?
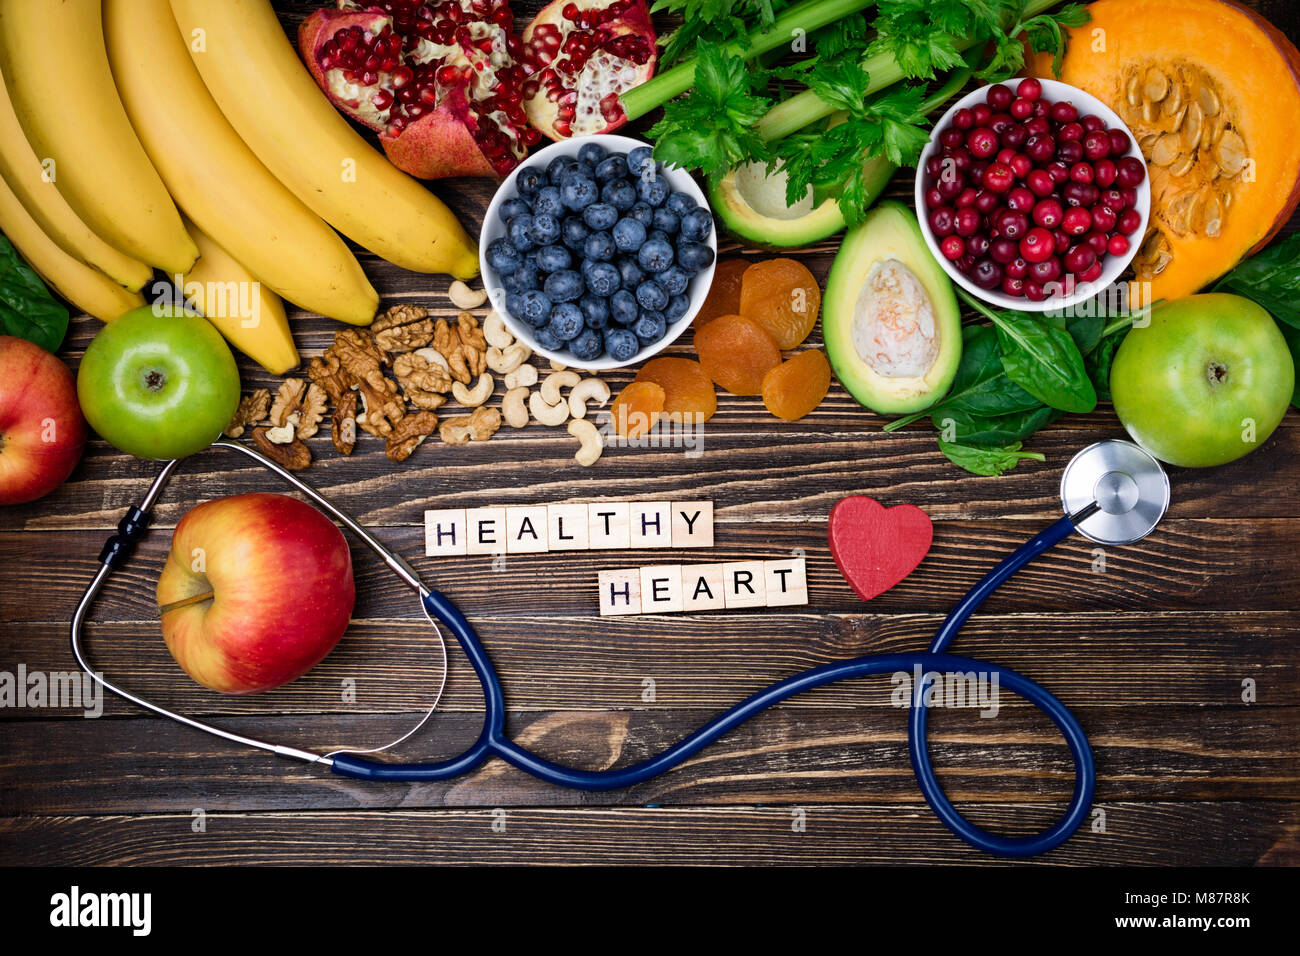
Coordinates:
(680, 181)
(1086, 103)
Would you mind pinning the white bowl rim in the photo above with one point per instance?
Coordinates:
(1056, 91)
(681, 181)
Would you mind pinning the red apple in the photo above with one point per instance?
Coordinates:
(256, 591)
(42, 430)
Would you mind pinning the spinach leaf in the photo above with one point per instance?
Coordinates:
(27, 310)
(994, 431)
(1270, 278)
(1099, 360)
(1086, 330)
(986, 461)
(980, 386)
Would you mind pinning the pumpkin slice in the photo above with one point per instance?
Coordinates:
(1211, 91)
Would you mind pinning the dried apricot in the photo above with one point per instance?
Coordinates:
(724, 293)
(783, 297)
(688, 390)
(736, 353)
(798, 385)
(637, 408)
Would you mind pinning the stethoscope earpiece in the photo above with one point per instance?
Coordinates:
(1122, 487)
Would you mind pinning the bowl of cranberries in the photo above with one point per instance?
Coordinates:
(1032, 194)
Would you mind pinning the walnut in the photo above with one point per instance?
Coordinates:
(299, 405)
(328, 373)
(361, 364)
(294, 456)
(479, 425)
(408, 433)
(424, 383)
(403, 328)
(343, 425)
(464, 347)
(253, 408)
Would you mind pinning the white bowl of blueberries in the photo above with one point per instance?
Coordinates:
(595, 255)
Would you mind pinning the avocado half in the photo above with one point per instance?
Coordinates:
(889, 234)
(751, 203)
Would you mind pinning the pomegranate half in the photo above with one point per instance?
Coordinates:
(578, 57)
(439, 82)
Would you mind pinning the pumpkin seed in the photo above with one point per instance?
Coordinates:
(1231, 153)
(1182, 165)
(1177, 121)
(1133, 90)
(1208, 100)
(1213, 216)
(1156, 86)
(1165, 150)
(1174, 101)
(1149, 111)
(1195, 123)
(1161, 263)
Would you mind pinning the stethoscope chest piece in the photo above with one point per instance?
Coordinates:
(1129, 486)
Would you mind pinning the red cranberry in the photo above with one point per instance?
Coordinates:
(986, 201)
(1001, 122)
(1098, 242)
(1029, 88)
(951, 138)
(1103, 219)
(1129, 220)
(1115, 199)
(1092, 123)
(1021, 165)
(961, 160)
(1037, 245)
(1080, 194)
(1070, 151)
(1021, 108)
(977, 245)
(934, 166)
(982, 143)
(966, 222)
(1062, 240)
(1129, 171)
(1104, 173)
(1118, 246)
(986, 274)
(966, 198)
(1130, 196)
(999, 178)
(1096, 145)
(1003, 251)
(1013, 287)
(1034, 292)
(1021, 199)
(1041, 109)
(1005, 154)
(1079, 257)
(1070, 132)
(965, 262)
(1040, 182)
(941, 221)
(1082, 173)
(1049, 270)
(982, 114)
(1048, 213)
(1040, 148)
(1092, 273)
(1038, 126)
(998, 97)
(1013, 224)
(963, 119)
(950, 187)
(1077, 221)
(1064, 112)
(1017, 268)
(1119, 142)
(953, 247)
(1059, 172)
(1014, 136)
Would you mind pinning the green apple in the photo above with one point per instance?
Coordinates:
(1206, 382)
(158, 382)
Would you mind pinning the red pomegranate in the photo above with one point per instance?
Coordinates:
(439, 82)
(578, 56)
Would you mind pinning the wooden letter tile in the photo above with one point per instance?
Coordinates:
(444, 532)
(650, 524)
(702, 587)
(744, 584)
(607, 524)
(661, 589)
(486, 530)
(567, 527)
(786, 582)
(526, 529)
(620, 592)
(692, 524)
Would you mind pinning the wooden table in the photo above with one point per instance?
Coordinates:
(1151, 655)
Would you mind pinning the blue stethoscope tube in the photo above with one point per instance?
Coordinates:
(493, 741)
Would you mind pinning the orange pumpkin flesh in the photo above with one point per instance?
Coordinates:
(1170, 69)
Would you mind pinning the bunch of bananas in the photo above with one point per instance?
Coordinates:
(201, 105)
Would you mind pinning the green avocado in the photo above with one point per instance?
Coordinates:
(889, 317)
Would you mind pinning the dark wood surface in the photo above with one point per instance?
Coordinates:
(1150, 655)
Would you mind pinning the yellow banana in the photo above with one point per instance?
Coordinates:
(244, 310)
(86, 288)
(72, 115)
(254, 74)
(22, 170)
(216, 180)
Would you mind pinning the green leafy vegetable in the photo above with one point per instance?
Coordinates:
(27, 310)
(987, 461)
(1099, 360)
(1270, 278)
(993, 431)
(1292, 336)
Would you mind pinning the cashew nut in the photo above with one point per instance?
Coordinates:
(552, 384)
(507, 359)
(463, 297)
(548, 413)
(513, 408)
(476, 396)
(434, 357)
(495, 331)
(557, 366)
(522, 377)
(589, 437)
(588, 390)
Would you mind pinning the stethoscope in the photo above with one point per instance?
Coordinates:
(1113, 493)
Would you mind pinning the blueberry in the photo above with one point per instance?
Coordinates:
(522, 279)
(615, 167)
(555, 169)
(503, 257)
(638, 159)
(696, 225)
(694, 256)
(621, 344)
(655, 256)
(553, 258)
(563, 286)
(599, 246)
(619, 193)
(623, 308)
(680, 204)
(595, 311)
(674, 280)
(678, 306)
(514, 206)
(566, 321)
(666, 220)
(642, 213)
(535, 308)
(573, 232)
(578, 169)
(600, 215)
(529, 180)
(587, 345)
(548, 340)
(545, 230)
(547, 202)
(591, 153)
(602, 278)
(630, 273)
(652, 190)
(517, 231)
(579, 192)
(651, 295)
(658, 234)
(628, 235)
(650, 326)
(514, 304)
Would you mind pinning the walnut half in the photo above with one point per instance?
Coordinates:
(294, 455)
(408, 433)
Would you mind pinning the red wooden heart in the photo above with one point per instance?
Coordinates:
(876, 547)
